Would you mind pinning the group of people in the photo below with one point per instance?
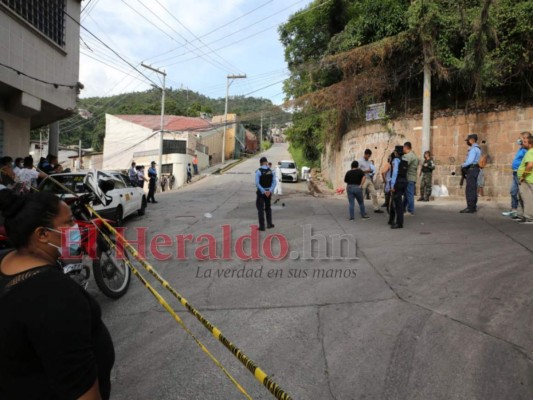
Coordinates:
(20, 174)
(137, 178)
(399, 176)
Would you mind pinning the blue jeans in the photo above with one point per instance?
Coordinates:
(514, 192)
(355, 192)
(409, 198)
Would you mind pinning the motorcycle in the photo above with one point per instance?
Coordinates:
(111, 274)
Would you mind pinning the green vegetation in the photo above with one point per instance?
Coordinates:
(346, 54)
(178, 102)
(265, 145)
(299, 158)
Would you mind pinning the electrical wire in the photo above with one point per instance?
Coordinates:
(196, 37)
(254, 24)
(218, 28)
(202, 55)
(107, 46)
(54, 84)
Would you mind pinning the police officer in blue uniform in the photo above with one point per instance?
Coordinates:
(470, 169)
(265, 181)
(398, 185)
(152, 175)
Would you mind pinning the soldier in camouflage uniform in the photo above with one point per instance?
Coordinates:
(427, 177)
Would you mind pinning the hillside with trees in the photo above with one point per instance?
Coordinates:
(346, 54)
(89, 123)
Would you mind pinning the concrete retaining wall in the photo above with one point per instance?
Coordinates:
(497, 131)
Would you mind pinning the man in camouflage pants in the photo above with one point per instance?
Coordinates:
(428, 165)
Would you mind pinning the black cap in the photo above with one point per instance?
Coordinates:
(471, 136)
(262, 160)
(398, 149)
(154, 163)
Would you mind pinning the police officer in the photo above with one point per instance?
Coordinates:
(471, 170)
(398, 185)
(265, 181)
(152, 176)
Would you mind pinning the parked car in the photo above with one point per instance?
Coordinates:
(126, 198)
(289, 171)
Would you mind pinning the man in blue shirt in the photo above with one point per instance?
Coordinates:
(471, 170)
(152, 176)
(398, 186)
(513, 213)
(265, 181)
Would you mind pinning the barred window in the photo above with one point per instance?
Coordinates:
(46, 16)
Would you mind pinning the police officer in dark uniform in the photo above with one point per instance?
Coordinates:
(398, 185)
(265, 181)
(470, 169)
(152, 175)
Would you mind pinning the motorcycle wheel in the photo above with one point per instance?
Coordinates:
(112, 275)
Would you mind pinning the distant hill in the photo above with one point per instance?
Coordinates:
(89, 124)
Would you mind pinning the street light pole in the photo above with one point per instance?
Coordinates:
(160, 169)
(229, 81)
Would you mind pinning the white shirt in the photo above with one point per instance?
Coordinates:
(26, 175)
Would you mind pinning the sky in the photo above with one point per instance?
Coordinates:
(198, 43)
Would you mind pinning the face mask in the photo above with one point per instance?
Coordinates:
(74, 235)
(519, 142)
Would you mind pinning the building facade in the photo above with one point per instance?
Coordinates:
(137, 138)
(39, 67)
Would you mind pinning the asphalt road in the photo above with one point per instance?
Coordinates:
(442, 309)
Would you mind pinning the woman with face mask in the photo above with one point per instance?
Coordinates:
(53, 343)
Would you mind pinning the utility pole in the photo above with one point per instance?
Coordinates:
(261, 134)
(160, 169)
(426, 109)
(229, 81)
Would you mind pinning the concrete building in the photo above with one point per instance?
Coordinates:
(235, 135)
(39, 68)
(136, 138)
(212, 139)
(251, 142)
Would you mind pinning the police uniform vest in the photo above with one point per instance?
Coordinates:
(266, 178)
(403, 166)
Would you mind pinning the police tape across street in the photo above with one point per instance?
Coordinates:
(256, 371)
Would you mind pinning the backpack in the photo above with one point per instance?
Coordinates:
(483, 160)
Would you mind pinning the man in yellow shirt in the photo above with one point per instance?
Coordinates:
(525, 175)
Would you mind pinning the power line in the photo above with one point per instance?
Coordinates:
(202, 54)
(192, 33)
(240, 30)
(54, 84)
(108, 47)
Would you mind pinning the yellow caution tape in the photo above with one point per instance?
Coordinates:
(258, 373)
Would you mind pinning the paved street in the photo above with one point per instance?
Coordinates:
(442, 309)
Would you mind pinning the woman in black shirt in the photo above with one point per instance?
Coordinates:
(53, 343)
(354, 179)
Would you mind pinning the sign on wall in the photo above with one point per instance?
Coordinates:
(375, 111)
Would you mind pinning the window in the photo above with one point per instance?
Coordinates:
(174, 147)
(48, 17)
(166, 168)
(126, 180)
(288, 165)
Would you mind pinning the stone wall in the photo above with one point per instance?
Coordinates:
(497, 131)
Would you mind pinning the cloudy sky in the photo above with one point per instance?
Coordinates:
(197, 42)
